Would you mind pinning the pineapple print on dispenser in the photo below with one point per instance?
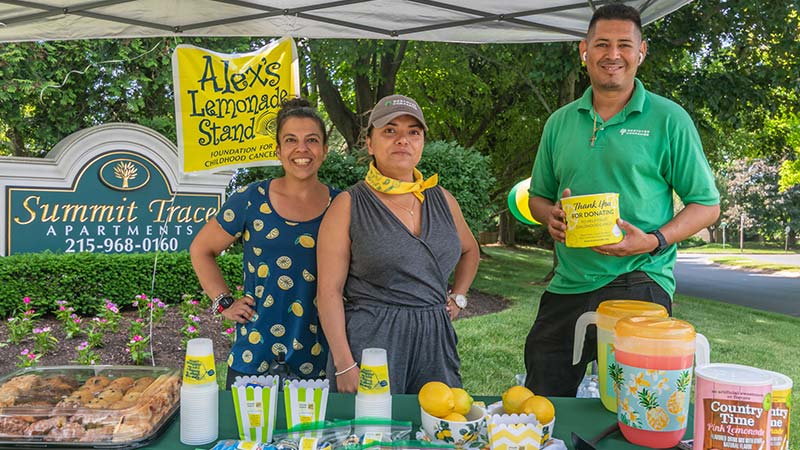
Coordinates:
(617, 376)
(657, 418)
(677, 401)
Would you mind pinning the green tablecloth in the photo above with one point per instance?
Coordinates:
(587, 417)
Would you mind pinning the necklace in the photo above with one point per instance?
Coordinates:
(408, 210)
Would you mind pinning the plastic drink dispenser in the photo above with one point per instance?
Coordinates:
(655, 356)
(607, 315)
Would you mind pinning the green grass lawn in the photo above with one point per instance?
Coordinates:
(491, 346)
(744, 263)
(749, 247)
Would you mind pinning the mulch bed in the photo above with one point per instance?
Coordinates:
(167, 346)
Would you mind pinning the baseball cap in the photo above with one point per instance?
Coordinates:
(393, 106)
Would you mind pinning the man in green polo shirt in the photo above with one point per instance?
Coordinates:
(617, 137)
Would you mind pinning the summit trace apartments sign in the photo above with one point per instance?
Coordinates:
(114, 188)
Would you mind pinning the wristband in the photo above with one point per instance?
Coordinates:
(336, 374)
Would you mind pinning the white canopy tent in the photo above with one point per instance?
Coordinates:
(466, 21)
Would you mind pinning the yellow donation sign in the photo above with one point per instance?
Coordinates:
(592, 219)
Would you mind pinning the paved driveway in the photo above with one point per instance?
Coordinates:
(779, 292)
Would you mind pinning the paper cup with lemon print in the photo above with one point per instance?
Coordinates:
(305, 401)
(255, 400)
(592, 220)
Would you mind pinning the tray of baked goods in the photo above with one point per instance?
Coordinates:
(87, 406)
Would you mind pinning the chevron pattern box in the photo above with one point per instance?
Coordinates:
(518, 432)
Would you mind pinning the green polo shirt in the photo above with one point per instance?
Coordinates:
(645, 152)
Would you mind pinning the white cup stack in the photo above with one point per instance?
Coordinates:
(374, 398)
(199, 394)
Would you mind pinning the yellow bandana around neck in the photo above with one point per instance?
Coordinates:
(382, 183)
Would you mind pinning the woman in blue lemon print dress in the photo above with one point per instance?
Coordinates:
(277, 220)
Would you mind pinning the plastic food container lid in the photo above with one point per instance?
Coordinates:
(87, 406)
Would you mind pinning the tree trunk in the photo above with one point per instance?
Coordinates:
(340, 114)
(16, 141)
(506, 228)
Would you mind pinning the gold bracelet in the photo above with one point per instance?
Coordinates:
(336, 374)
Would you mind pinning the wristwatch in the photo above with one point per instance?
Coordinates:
(222, 302)
(662, 243)
(460, 299)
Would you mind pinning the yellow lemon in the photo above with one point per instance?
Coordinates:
(297, 308)
(305, 240)
(308, 276)
(291, 224)
(285, 283)
(263, 270)
(264, 208)
(306, 368)
(228, 215)
(455, 417)
(541, 407)
(436, 398)
(262, 191)
(259, 291)
(247, 356)
(462, 401)
(263, 367)
(278, 348)
(241, 189)
(244, 331)
(273, 233)
(277, 330)
(258, 225)
(269, 301)
(316, 349)
(250, 268)
(230, 360)
(255, 337)
(246, 235)
(514, 397)
(257, 251)
(296, 344)
(284, 262)
(312, 328)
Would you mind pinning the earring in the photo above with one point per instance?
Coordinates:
(584, 56)
(641, 57)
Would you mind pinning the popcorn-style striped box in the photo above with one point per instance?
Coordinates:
(517, 431)
(255, 399)
(306, 401)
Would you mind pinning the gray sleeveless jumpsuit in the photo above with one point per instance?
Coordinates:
(396, 290)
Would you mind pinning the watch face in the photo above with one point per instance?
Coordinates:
(225, 302)
(461, 301)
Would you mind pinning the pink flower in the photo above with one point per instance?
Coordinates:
(31, 356)
(137, 338)
(83, 345)
(191, 329)
(194, 302)
(26, 300)
(24, 351)
(229, 331)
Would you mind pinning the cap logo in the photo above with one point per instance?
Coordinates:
(401, 102)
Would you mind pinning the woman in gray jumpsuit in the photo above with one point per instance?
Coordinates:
(386, 249)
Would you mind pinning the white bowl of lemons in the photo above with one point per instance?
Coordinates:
(449, 416)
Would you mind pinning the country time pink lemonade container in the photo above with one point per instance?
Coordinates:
(732, 407)
(606, 317)
(655, 356)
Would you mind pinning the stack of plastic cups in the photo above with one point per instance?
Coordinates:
(374, 399)
(199, 394)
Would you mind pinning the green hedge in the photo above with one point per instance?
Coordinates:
(85, 279)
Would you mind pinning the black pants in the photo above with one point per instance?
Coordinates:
(548, 348)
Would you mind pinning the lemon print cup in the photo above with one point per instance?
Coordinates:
(592, 220)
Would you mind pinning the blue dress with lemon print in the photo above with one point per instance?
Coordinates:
(280, 274)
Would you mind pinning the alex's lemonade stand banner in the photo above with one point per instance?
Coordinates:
(226, 104)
